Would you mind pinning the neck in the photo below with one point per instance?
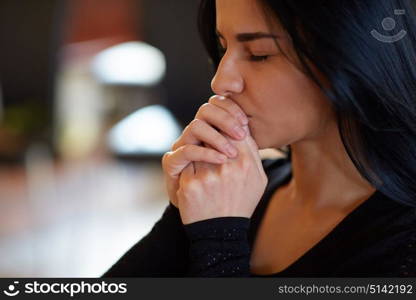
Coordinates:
(324, 175)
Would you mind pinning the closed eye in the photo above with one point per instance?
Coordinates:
(259, 58)
(254, 58)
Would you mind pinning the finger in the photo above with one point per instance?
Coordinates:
(253, 148)
(248, 148)
(250, 140)
(186, 173)
(221, 119)
(203, 167)
(174, 162)
(198, 131)
(232, 107)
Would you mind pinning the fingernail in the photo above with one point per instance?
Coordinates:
(240, 132)
(231, 150)
(243, 119)
(221, 158)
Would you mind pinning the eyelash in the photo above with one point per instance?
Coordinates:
(253, 58)
(259, 58)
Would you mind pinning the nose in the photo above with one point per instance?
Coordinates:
(227, 80)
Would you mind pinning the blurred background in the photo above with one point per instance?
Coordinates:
(92, 93)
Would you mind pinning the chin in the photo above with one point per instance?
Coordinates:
(259, 144)
(263, 145)
(262, 141)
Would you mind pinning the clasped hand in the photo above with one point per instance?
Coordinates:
(204, 183)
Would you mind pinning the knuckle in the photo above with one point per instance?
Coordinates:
(204, 106)
(228, 169)
(176, 143)
(212, 154)
(191, 152)
(185, 149)
(182, 193)
(231, 124)
(192, 123)
(234, 109)
(190, 129)
(195, 123)
(209, 180)
(166, 160)
(226, 172)
(224, 144)
(186, 129)
(165, 157)
(246, 165)
(189, 189)
(229, 105)
(213, 98)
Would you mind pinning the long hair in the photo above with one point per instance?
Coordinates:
(366, 49)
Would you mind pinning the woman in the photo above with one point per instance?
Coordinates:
(324, 79)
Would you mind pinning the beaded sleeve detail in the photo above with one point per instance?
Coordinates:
(408, 266)
(219, 247)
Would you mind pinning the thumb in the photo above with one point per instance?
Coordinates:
(249, 139)
(186, 173)
(253, 148)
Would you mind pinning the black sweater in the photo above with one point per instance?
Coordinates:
(377, 239)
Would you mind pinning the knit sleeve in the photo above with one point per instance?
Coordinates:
(163, 252)
(219, 247)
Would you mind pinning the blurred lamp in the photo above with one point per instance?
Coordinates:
(130, 63)
(149, 131)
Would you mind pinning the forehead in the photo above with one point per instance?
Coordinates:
(240, 15)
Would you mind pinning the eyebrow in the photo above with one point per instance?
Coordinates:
(250, 36)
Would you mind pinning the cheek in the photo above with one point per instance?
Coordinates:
(290, 108)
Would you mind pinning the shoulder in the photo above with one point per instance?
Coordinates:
(380, 248)
(398, 246)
